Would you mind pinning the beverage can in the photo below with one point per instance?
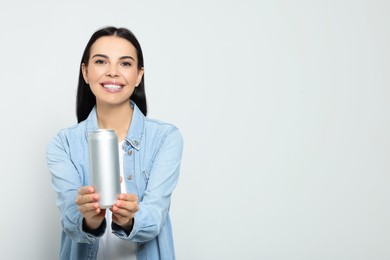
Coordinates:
(104, 165)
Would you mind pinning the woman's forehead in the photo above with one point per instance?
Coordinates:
(113, 46)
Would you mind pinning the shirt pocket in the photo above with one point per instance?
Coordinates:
(146, 175)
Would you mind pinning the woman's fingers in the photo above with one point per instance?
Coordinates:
(87, 201)
(128, 197)
(88, 205)
(89, 198)
(127, 202)
(122, 217)
(86, 195)
(86, 190)
(94, 207)
(125, 208)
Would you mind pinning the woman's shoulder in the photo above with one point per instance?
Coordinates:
(71, 134)
(74, 130)
(159, 126)
(158, 129)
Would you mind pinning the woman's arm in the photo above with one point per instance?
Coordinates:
(154, 206)
(66, 182)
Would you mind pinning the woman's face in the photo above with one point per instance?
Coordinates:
(112, 71)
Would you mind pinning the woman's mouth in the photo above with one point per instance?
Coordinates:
(112, 87)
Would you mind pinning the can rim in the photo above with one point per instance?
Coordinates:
(102, 130)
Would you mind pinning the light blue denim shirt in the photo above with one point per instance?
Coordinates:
(153, 151)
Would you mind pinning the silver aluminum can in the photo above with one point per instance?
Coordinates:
(104, 165)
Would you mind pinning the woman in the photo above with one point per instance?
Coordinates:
(111, 95)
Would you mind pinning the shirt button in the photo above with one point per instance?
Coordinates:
(130, 152)
(136, 143)
(130, 177)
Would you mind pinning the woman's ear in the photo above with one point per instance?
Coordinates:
(139, 76)
(85, 72)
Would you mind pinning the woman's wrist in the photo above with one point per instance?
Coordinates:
(95, 229)
(127, 228)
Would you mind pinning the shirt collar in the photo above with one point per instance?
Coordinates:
(135, 132)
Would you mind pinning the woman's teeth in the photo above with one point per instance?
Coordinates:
(112, 86)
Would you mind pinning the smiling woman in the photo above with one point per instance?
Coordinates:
(111, 95)
(112, 72)
(102, 43)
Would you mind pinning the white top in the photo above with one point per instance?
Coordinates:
(111, 246)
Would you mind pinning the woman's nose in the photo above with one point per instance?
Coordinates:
(112, 71)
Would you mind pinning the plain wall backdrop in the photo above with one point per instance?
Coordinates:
(283, 105)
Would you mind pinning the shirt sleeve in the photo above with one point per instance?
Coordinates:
(164, 175)
(66, 181)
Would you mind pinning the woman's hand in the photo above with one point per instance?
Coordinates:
(89, 207)
(124, 209)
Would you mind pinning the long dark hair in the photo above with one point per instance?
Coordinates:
(85, 99)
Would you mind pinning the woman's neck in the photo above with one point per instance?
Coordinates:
(117, 118)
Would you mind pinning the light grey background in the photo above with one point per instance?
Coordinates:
(284, 107)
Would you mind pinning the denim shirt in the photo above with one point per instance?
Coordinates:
(153, 151)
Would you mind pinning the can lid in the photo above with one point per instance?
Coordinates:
(102, 131)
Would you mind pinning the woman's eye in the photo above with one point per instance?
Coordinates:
(99, 62)
(126, 64)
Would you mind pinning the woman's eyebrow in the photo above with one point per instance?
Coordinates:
(126, 57)
(100, 55)
(106, 57)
